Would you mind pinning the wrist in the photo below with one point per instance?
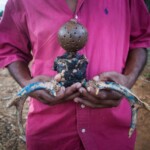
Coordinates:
(39, 78)
(24, 83)
(20, 72)
(131, 79)
(135, 63)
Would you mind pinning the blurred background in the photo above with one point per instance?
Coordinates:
(2, 6)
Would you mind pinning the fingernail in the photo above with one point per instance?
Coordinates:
(81, 90)
(78, 85)
(96, 78)
(97, 91)
(57, 77)
(75, 100)
(88, 89)
(63, 88)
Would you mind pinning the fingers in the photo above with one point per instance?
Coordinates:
(63, 95)
(88, 103)
(42, 96)
(115, 77)
(58, 77)
(102, 95)
(70, 90)
(97, 104)
(104, 98)
(73, 96)
(106, 94)
(109, 76)
(68, 94)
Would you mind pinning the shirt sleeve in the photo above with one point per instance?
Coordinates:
(14, 43)
(140, 25)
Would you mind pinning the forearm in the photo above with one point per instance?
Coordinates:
(135, 63)
(20, 72)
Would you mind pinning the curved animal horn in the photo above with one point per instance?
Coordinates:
(22, 95)
(134, 101)
(19, 100)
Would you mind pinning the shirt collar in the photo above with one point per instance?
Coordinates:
(79, 4)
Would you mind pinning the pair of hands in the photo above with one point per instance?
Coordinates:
(88, 97)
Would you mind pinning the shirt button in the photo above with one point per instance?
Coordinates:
(83, 130)
(82, 106)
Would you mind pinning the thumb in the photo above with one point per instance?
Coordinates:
(108, 76)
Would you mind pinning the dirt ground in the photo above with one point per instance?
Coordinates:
(9, 132)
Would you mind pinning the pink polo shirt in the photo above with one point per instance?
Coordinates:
(114, 26)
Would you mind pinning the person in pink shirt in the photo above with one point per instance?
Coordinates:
(76, 119)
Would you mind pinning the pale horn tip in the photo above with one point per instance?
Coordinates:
(131, 130)
(147, 106)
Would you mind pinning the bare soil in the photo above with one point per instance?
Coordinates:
(9, 139)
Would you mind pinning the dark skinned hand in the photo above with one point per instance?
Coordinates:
(63, 95)
(105, 98)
